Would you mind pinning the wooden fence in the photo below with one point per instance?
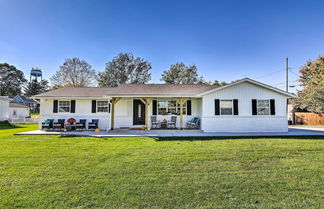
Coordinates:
(307, 118)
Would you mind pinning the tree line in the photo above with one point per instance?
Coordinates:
(124, 68)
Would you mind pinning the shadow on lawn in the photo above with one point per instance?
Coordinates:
(6, 125)
(74, 136)
(205, 138)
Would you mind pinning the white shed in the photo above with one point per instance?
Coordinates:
(4, 108)
(18, 111)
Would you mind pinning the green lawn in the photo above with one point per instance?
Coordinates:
(79, 172)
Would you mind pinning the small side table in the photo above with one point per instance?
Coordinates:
(164, 125)
(70, 127)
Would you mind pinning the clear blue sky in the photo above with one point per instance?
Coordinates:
(227, 40)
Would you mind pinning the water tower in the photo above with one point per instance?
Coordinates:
(35, 73)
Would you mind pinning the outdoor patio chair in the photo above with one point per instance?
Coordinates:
(81, 125)
(93, 125)
(47, 124)
(193, 123)
(173, 122)
(154, 122)
(59, 124)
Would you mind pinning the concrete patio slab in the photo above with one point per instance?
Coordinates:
(294, 131)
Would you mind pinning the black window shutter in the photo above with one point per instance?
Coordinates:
(272, 107)
(55, 106)
(235, 105)
(189, 107)
(216, 106)
(94, 106)
(254, 107)
(72, 106)
(154, 107)
(109, 106)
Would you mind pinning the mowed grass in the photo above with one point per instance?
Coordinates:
(80, 172)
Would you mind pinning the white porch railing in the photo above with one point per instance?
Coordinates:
(24, 120)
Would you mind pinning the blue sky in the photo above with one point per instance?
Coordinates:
(227, 40)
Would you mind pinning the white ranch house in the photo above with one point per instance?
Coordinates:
(242, 106)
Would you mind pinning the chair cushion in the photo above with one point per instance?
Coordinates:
(61, 121)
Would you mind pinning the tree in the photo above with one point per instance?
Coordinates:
(182, 74)
(74, 72)
(311, 98)
(313, 72)
(125, 68)
(217, 83)
(11, 80)
(36, 87)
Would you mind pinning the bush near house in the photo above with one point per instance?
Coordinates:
(76, 172)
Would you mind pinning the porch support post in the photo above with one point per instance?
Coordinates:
(147, 102)
(181, 101)
(113, 102)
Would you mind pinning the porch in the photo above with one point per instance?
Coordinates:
(156, 113)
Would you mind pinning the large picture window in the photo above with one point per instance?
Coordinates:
(263, 107)
(102, 106)
(64, 106)
(170, 107)
(226, 107)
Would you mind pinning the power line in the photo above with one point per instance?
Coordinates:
(293, 67)
(293, 72)
(271, 73)
(285, 82)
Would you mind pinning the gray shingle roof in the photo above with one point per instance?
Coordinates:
(161, 89)
(15, 105)
(27, 99)
(129, 90)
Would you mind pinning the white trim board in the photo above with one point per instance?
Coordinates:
(290, 95)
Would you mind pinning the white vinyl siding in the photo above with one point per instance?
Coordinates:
(245, 121)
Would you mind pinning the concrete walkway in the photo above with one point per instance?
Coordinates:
(307, 127)
(293, 131)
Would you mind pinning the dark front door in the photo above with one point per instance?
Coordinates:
(138, 112)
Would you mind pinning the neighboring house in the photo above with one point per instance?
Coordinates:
(18, 111)
(27, 101)
(242, 106)
(4, 108)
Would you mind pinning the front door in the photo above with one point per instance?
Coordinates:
(138, 112)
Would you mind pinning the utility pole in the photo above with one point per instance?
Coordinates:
(286, 74)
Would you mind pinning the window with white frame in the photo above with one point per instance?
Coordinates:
(226, 107)
(102, 106)
(263, 107)
(64, 106)
(170, 107)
